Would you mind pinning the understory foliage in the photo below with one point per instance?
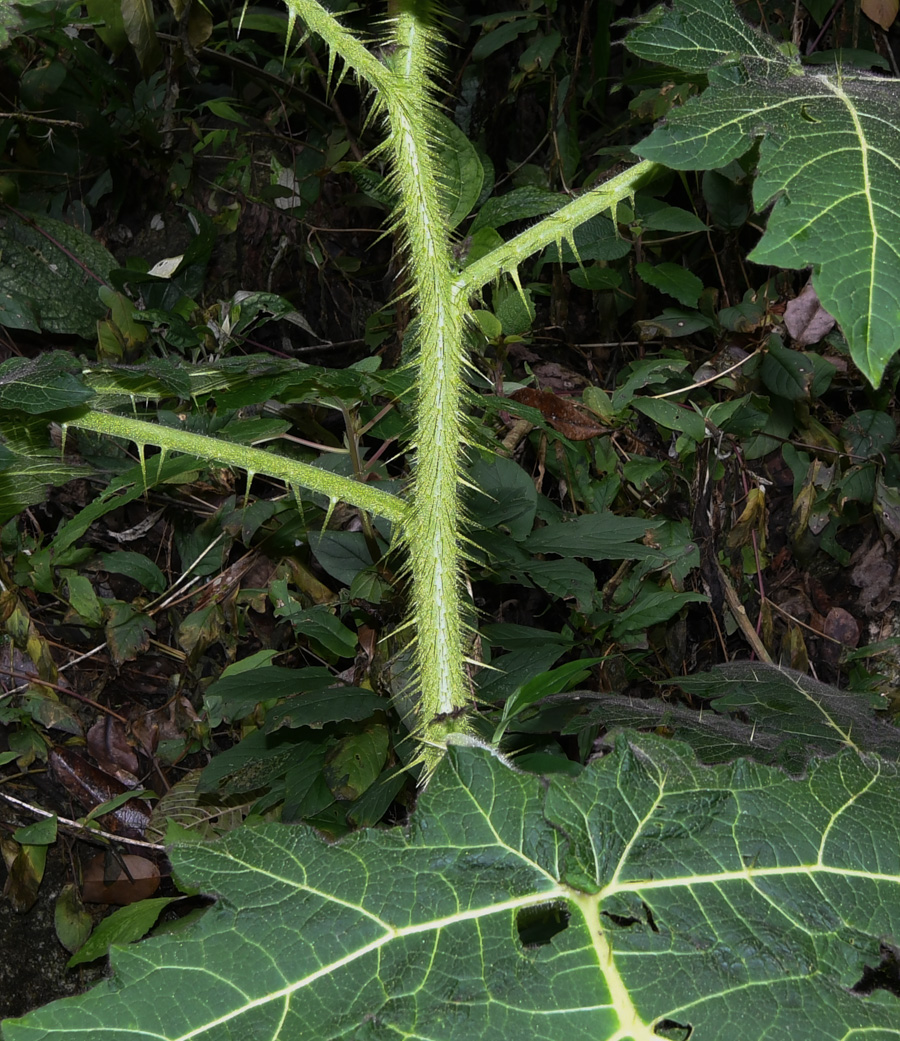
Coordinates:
(442, 551)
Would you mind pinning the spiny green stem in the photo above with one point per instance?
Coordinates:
(435, 522)
(559, 226)
(253, 460)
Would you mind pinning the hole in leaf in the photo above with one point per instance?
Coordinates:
(643, 918)
(651, 921)
(885, 975)
(674, 1031)
(621, 920)
(537, 926)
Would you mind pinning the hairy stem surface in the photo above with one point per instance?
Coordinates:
(435, 521)
(253, 460)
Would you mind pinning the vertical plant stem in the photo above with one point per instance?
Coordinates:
(435, 518)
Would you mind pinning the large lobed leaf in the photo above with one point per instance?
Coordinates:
(829, 158)
(710, 902)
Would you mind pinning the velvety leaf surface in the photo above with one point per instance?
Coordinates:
(647, 895)
(828, 159)
(54, 268)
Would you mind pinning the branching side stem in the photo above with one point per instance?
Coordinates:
(253, 460)
(432, 521)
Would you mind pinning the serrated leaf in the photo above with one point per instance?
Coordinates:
(128, 631)
(597, 536)
(786, 705)
(317, 708)
(49, 383)
(519, 204)
(647, 894)
(460, 172)
(696, 35)
(24, 482)
(650, 608)
(55, 270)
(674, 280)
(828, 154)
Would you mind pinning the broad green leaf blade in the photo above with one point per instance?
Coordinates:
(54, 271)
(645, 895)
(48, 383)
(829, 159)
(460, 171)
(696, 35)
(792, 707)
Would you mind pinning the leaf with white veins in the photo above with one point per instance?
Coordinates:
(829, 159)
(646, 895)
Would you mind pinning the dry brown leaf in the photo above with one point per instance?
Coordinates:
(564, 416)
(882, 12)
(806, 319)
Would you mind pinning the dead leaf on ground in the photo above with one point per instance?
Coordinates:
(91, 787)
(873, 570)
(840, 625)
(806, 319)
(564, 416)
(107, 741)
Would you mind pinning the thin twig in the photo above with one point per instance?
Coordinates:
(83, 829)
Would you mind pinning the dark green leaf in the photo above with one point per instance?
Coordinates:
(789, 374)
(669, 894)
(128, 631)
(505, 496)
(868, 433)
(321, 626)
(316, 708)
(240, 688)
(353, 765)
(597, 536)
(343, 554)
(672, 416)
(461, 174)
(650, 608)
(519, 204)
(123, 926)
(498, 38)
(136, 566)
(55, 269)
(49, 383)
(827, 158)
(595, 278)
(673, 280)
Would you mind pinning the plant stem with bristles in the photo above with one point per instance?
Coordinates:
(435, 519)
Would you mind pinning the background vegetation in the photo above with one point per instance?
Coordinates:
(676, 458)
